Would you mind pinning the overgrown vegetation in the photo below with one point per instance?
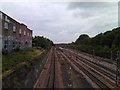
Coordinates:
(40, 41)
(17, 64)
(103, 44)
(15, 76)
(15, 59)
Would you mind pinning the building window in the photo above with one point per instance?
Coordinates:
(28, 34)
(6, 25)
(19, 45)
(13, 45)
(6, 19)
(0, 15)
(6, 42)
(20, 31)
(14, 29)
(5, 46)
(24, 33)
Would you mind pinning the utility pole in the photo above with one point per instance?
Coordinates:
(118, 69)
(70, 70)
(111, 55)
(93, 52)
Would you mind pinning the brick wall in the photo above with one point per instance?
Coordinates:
(0, 32)
(15, 35)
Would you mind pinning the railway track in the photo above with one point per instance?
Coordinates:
(97, 75)
(44, 77)
(51, 79)
(50, 76)
(102, 79)
(105, 64)
(105, 70)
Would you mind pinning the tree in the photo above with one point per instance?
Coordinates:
(102, 43)
(40, 41)
(83, 39)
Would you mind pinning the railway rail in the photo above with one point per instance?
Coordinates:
(50, 77)
(107, 71)
(95, 72)
(43, 79)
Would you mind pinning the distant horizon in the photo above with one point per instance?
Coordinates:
(76, 38)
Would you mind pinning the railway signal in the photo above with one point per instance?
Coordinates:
(118, 69)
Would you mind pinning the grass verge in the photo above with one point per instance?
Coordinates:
(17, 59)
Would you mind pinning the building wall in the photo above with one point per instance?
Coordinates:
(0, 23)
(15, 35)
(0, 32)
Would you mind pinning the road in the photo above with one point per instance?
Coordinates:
(65, 68)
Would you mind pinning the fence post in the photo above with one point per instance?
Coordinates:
(118, 69)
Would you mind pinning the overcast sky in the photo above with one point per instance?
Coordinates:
(63, 22)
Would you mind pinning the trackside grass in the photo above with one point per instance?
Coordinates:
(16, 59)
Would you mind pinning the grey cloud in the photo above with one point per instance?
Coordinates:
(85, 14)
(90, 5)
(63, 22)
(91, 9)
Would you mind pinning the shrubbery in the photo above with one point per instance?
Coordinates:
(103, 44)
(40, 41)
